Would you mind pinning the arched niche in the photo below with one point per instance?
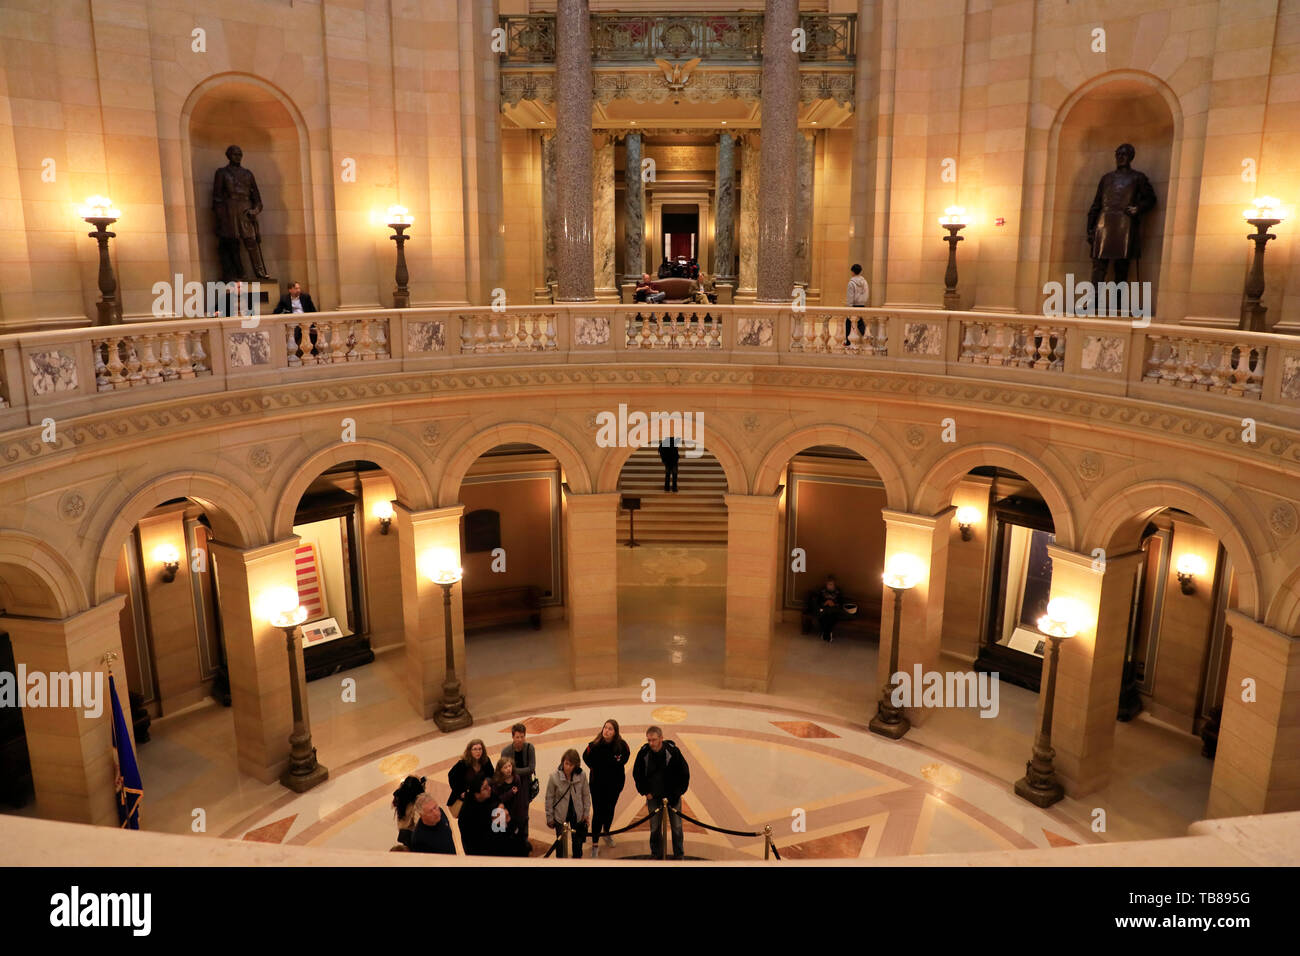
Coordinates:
(1117, 108)
(244, 111)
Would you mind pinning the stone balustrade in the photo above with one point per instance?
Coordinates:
(83, 371)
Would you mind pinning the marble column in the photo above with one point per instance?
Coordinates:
(591, 563)
(574, 253)
(548, 209)
(776, 203)
(602, 177)
(751, 180)
(724, 231)
(753, 537)
(71, 755)
(423, 614)
(1257, 764)
(806, 142)
(633, 211)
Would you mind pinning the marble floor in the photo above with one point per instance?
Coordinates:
(755, 757)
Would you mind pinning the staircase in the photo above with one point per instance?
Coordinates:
(696, 514)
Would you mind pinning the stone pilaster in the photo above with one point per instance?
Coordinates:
(1091, 666)
(602, 175)
(633, 210)
(71, 752)
(751, 179)
(752, 542)
(255, 654)
(548, 209)
(1257, 764)
(574, 253)
(421, 535)
(807, 144)
(591, 564)
(925, 537)
(724, 230)
(776, 215)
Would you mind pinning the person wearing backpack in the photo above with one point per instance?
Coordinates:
(661, 773)
(568, 800)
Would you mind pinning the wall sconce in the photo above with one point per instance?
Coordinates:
(1189, 566)
(100, 212)
(954, 220)
(383, 510)
(399, 220)
(1264, 214)
(170, 559)
(967, 517)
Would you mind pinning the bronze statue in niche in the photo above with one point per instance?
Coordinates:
(1114, 235)
(237, 203)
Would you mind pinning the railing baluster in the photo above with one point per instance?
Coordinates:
(291, 342)
(381, 339)
(102, 383)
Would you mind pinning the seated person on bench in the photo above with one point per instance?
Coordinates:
(828, 606)
(646, 292)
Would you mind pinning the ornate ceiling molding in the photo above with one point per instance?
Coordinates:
(651, 86)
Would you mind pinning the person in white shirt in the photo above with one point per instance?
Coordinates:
(856, 297)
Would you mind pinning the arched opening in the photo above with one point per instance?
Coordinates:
(1125, 108)
(238, 111)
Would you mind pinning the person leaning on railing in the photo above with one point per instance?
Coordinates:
(661, 773)
(856, 296)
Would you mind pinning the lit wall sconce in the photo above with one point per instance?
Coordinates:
(1263, 215)
(383, 510)
(170, 559)
(954, 220)
(100, 212)
(399, 220)
(967, 517)
(1189, 566)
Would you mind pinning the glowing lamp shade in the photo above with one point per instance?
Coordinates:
(166, 554)
(1192, 564)
(953, 216)
(279, 607)
(98, 207)
(399, 216)
(903, 571)
(383, 510)
(1065, 617)
(1265, 207)
(969, 515)
(440, 566)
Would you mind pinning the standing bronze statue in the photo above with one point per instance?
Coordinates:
(1123, 198)
(237, 204)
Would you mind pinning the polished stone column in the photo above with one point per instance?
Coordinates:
(724, 230)
(751, 173)
(776, 203)
(548, 208)
(574, 253)
(602, 176)
(753, 523)
(591, 562)
(633, 211)
(804, 208)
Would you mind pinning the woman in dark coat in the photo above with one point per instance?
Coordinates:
(607, 757)
(510, 791)
(475, 820)
(404, 798)
(469, 771)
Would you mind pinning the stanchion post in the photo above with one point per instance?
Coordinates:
(767, 842)
(663, 831)
(567, 841)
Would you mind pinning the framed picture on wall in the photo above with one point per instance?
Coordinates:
(318, 632)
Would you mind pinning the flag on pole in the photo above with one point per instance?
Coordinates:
(130, 789)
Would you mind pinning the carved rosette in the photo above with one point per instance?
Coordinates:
(259, 458)
(1090, 467)
(72, 506)
(1282, 519)
(431, 434)
(914, 436)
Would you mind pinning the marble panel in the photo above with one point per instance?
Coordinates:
(53, 370)
(923, 338)
(755, 332)
(248, 348)
(426, 337)
(1103, 353)
(1291, 377)
(591, 330)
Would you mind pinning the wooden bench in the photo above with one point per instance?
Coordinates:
(866, 622)
(506, 606)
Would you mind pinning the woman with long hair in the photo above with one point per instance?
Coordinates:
(607, 757)
(467, 773)
(404, 808)
(510, 791)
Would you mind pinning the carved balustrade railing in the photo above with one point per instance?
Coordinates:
(727, 37)
(83, 371)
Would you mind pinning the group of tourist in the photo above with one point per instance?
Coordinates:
(490, 803)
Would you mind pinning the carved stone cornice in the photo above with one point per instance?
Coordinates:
(114, 432)
(650, 86)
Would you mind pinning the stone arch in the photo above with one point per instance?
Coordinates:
(575, 469)
(774, 460)
(409, 480)
(236, 518)
(1117, 526)
(1283, 612)
(719, 446)
(298, 257)
(936, 489)
(36, 580)
(1157, 134)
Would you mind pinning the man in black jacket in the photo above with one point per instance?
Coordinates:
(433, 833)
(669, 455)
(295, 300)
(661, 772)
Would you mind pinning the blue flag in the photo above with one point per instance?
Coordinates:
(130, 792)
